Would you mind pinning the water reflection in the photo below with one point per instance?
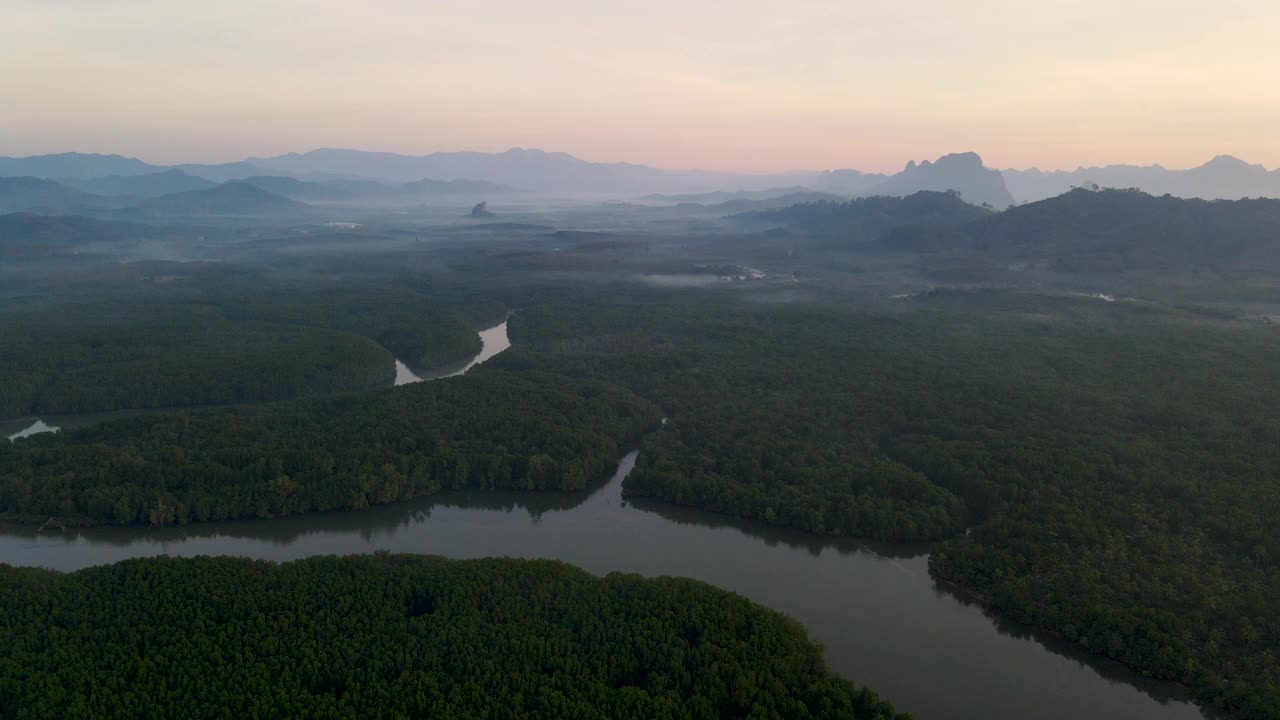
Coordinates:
(772, 536)
(382, 520)
(1113, 670)
(881, 618)
(493, 340)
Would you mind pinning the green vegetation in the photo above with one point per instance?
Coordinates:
(204, 346)
(28, 234)
(1124, 240)
(486, 430)
(390, 636)
(866, 219)
(115, 367)
(425, 332)
(1119, 460)
(774, 413)
(1116, 462)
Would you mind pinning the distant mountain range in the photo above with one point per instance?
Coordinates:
(723, 196)
(560, 172)
(1113, 232)
(962, 172)
(301, 190)
(517, 169)
(847, 182)
(31, 193)
(175, 193)
(338, 191)
(73, 166)
(234, 198)
(866, 219)
(1224, 177)
(359, 174)
(118, 175)
(526, 169)
(146, 185)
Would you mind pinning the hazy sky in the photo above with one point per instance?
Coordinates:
(752, 85)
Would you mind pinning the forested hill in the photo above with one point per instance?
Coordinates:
(866, 219)
(1112, 230)
(164, 182)
(393, 636)
(25, 233)
(25, 193)
(232, 198)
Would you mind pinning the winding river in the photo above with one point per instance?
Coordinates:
(493, 340)
(880, 617)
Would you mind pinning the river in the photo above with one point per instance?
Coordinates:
(880, 617)
(493, 340)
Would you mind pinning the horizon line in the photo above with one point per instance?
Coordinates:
(736, 173)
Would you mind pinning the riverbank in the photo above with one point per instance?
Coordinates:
(880, 617)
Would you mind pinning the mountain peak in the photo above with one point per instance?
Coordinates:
(1230, 162)
(74, 165)
(962, 160)
(962, 172)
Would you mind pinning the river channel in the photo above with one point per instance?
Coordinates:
(882, 620)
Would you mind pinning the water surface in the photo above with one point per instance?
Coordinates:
(493, 340)
(880, 617)
(36, 426)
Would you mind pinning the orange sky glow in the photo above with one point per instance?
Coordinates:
(750, 86)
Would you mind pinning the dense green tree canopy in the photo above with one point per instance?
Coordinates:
(393, 636)
(1119, 461)
(484, 430)
(865, 219)
(212, 344)
(1105, 470)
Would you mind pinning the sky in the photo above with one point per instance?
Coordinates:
(742, 85)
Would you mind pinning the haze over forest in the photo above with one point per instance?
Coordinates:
(689, 360)
(336, 174)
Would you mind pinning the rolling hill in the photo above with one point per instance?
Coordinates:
(866, 219)
(73, 165)
(300, 190)
(1224, 177)
(527, 169)
(30, 193)
(1115, 231)
(228, 199)
(148, 185)
(459, 186)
